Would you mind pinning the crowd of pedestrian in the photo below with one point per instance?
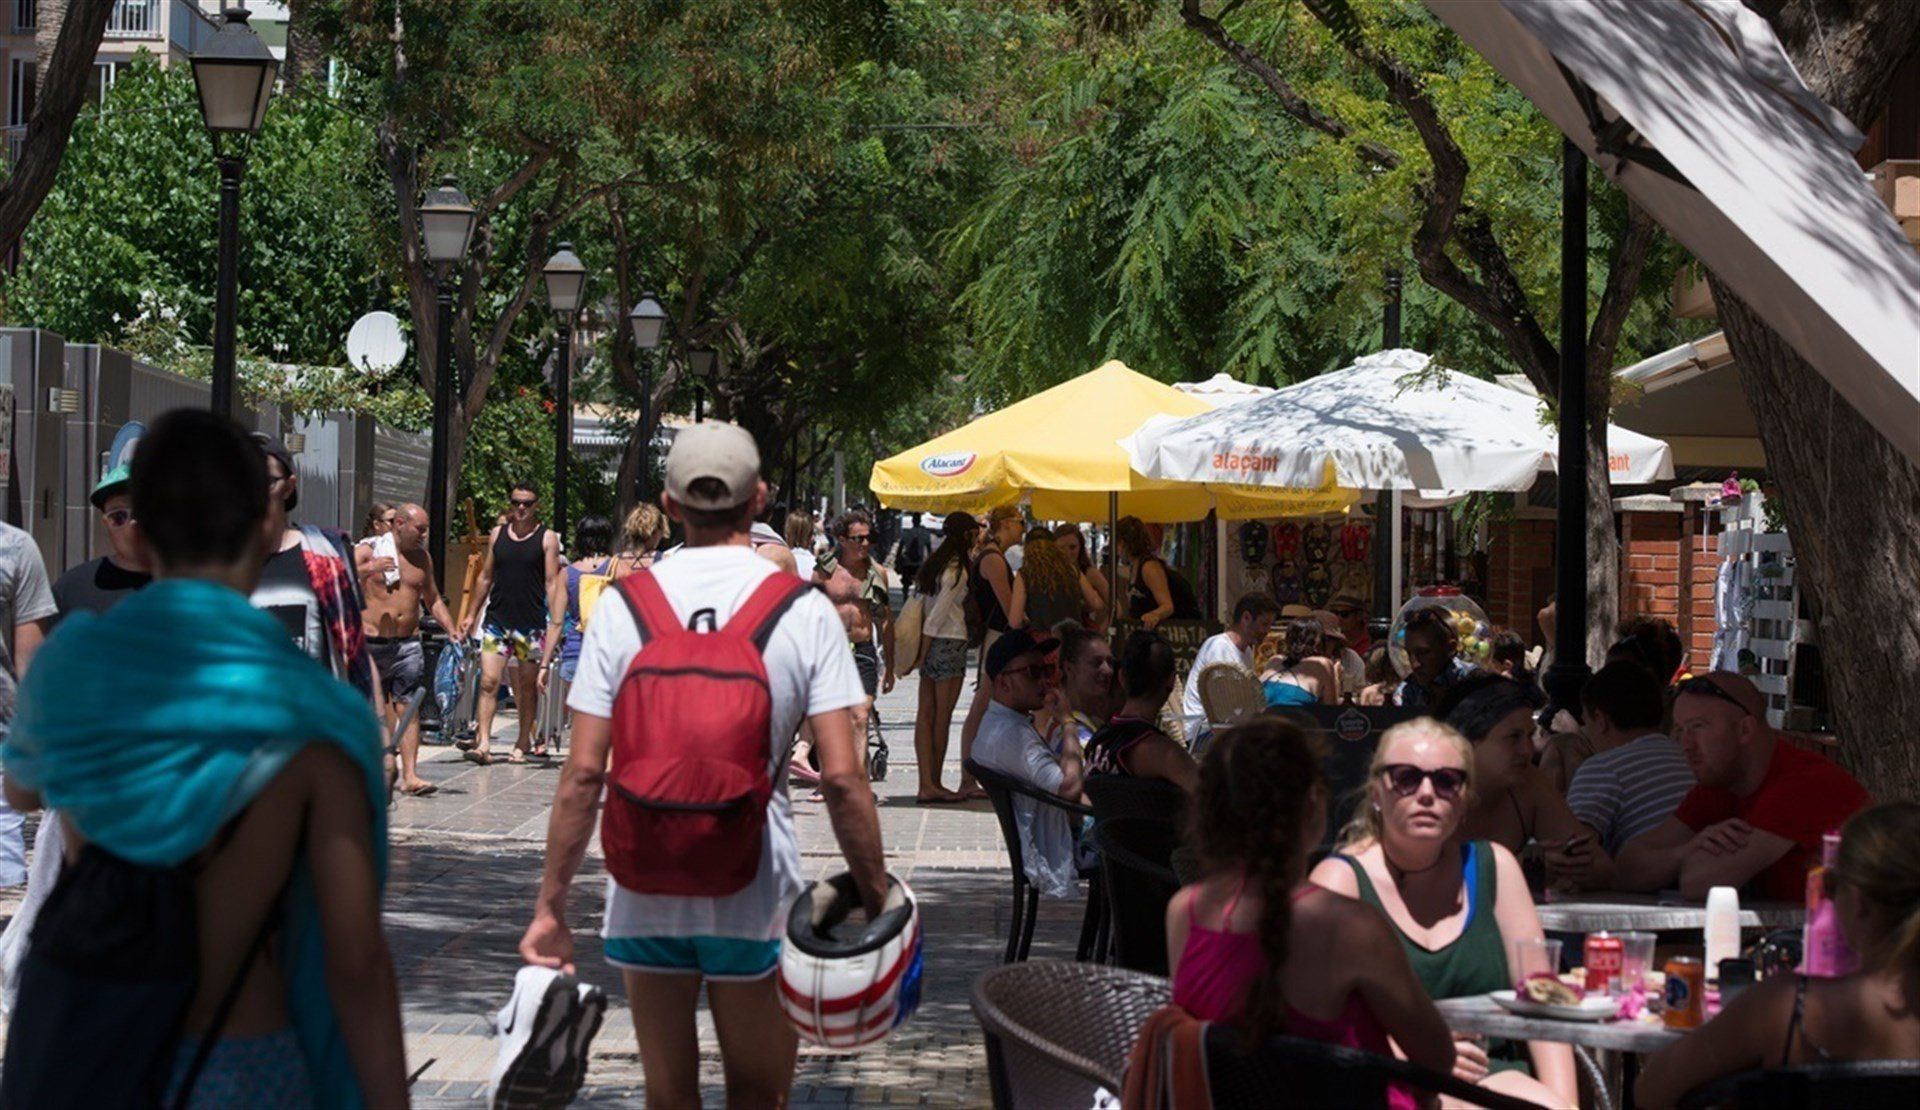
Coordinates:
(237, 844)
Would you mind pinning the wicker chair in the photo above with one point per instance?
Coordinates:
(1001, 790)
(1320, 1073)
(1057, 1032)
(1229, 694)
(1858, 1085)
(1136, 861)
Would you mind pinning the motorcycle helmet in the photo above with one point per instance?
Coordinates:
(844, 984)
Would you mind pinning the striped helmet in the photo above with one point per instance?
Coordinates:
(845, 984)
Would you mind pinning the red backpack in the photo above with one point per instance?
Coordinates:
(686, 812)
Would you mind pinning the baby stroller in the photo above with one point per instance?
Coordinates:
(876, 747)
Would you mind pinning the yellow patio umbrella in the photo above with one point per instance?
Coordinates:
(1061, 450)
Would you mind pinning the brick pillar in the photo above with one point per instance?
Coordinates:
(1650, 571)
(1706, 572)
(1519, 569)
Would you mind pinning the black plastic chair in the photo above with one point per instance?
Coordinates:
(1857, 1085)
(1056, 1032)
(1136, 860)
(1319, 1073)
(1001, 790)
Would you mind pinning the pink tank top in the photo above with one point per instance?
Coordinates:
(1217, 966)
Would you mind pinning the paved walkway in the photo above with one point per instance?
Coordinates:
(466, 865)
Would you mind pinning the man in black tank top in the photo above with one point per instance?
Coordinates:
(517, 581)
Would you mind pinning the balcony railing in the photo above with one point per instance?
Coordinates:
(26, 15)
(134, 19)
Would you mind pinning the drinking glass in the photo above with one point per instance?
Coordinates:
(1533, 957)
(1636, 958)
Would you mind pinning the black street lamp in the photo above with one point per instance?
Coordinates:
(1569, 672)
(234, 74)
(647, 320)
(700, 363)
(446, 226)
(566, 281)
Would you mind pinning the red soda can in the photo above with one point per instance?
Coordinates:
(1606, 959)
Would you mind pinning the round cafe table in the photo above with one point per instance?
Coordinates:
(1631, 1039)
(1654, 913)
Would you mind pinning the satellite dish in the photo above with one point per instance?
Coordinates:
(375, 343)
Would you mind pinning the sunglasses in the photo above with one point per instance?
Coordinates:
(860, 538)
(1405, 779)
(1031, 670)
(1708, 688)
(120, 518)
(520, 504)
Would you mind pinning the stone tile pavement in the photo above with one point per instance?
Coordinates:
(466, 865)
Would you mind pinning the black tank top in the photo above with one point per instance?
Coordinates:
(994, 617)
(519, 597)
(1140, 600)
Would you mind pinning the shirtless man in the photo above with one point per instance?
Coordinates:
(858, 588)
(391, 621)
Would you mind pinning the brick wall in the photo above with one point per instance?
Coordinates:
(1519, 573)
(1650, 565)
(1698, 632)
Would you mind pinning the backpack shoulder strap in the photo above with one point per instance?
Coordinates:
(652, 614)
(769, 602)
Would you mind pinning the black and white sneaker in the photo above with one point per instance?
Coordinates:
(546, 1030)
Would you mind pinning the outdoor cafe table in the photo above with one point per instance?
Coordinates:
(1653, 913)
(1480, 1014)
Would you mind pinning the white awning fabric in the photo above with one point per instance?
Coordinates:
(1387, 422)
(1694, 109)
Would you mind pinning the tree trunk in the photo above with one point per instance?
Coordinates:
(1856, 546)
(68, 36)
(1856, 554)
(1603, 539)
(306, 54)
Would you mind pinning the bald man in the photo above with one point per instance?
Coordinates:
(391, 621)
(1761, 805)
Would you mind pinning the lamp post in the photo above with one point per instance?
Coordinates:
(700, 363)
(234, 74)
(647, 320)
(1386, 503)
(446, 225)
(1569, 672)
(566, 280)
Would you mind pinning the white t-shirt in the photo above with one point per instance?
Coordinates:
(946, 615)
(809, 672)
(1216, 649)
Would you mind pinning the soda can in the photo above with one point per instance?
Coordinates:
(1606, 959)
(1686, 994)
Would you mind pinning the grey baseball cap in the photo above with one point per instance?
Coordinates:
(720, 451)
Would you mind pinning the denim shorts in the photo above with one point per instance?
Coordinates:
(714, 957)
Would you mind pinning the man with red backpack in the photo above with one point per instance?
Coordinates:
(694, 676)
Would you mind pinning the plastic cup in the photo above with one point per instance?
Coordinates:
(1636, 958)
(1533, 957)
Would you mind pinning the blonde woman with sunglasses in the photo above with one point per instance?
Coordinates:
(1457, 907)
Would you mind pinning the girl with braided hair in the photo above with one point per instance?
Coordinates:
(1790, 1020)
(1255, 944)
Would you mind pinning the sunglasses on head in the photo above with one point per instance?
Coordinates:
(1708, 688)
(120, 518)
(1405, 778)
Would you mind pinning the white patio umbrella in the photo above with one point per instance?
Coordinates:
(1694, 109)
(1223, 389)
(1384, 423)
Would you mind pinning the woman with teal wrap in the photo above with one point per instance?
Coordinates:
(154, 727)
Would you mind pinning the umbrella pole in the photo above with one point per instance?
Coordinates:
(1113, 558)
(1569, 671)
(1386, 512)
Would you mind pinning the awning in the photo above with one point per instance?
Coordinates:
(1060, 450)
(1388, 422)
(1691, 397)
(1693, 108)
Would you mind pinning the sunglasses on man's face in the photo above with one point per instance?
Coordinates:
(520, 503)
(1405, 779)
(120, 518)
(1031, 670)
(857, 537)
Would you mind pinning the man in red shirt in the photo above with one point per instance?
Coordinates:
(1756, 817)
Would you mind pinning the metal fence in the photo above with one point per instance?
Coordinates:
(69, 400)
(134, 19)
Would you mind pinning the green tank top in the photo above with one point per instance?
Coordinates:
(1475, 962)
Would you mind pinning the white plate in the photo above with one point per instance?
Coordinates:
(1591, 1008)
